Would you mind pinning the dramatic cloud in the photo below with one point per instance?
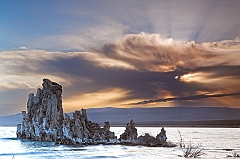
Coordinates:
(137, 67)
(117, 52)
(153, 53)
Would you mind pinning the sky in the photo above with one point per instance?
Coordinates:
(128, 53)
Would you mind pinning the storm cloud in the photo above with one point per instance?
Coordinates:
(138, 67)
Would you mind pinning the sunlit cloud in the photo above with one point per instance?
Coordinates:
(216, 81)
(136, 67)
(138, 51)
(224, 44)
(193, 77)
(153, 53)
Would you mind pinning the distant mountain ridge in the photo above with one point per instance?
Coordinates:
(11, 120)
(168, 116)
(151, 116)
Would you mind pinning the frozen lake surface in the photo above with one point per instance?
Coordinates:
(216, 142)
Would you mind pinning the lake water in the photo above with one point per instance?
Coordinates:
(216, 143)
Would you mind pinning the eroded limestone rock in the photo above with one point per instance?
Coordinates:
(130, 133)
(129, 137)
(80, 130)
(162, 137)
(44, 116)
(159, 140)
(147, 140)
(44, 120)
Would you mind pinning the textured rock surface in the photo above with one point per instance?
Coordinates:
(44, 117)
(159, 140)
(162, 137)
(130, 133)
(147, 140)
(130, 137)
(80, 130)
(44, 120)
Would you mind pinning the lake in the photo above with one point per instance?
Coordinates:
(215, 142)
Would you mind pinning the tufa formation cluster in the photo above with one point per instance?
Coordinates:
(45, 121)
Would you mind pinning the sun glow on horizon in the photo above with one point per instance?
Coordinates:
(113, 97)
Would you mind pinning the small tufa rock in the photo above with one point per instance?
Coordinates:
(130, 133)
(159, 140)
(162, 137)
(147, 140)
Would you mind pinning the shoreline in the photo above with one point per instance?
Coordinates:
(200, 124)
(185, 126)
(196, 124)
(165, 126)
